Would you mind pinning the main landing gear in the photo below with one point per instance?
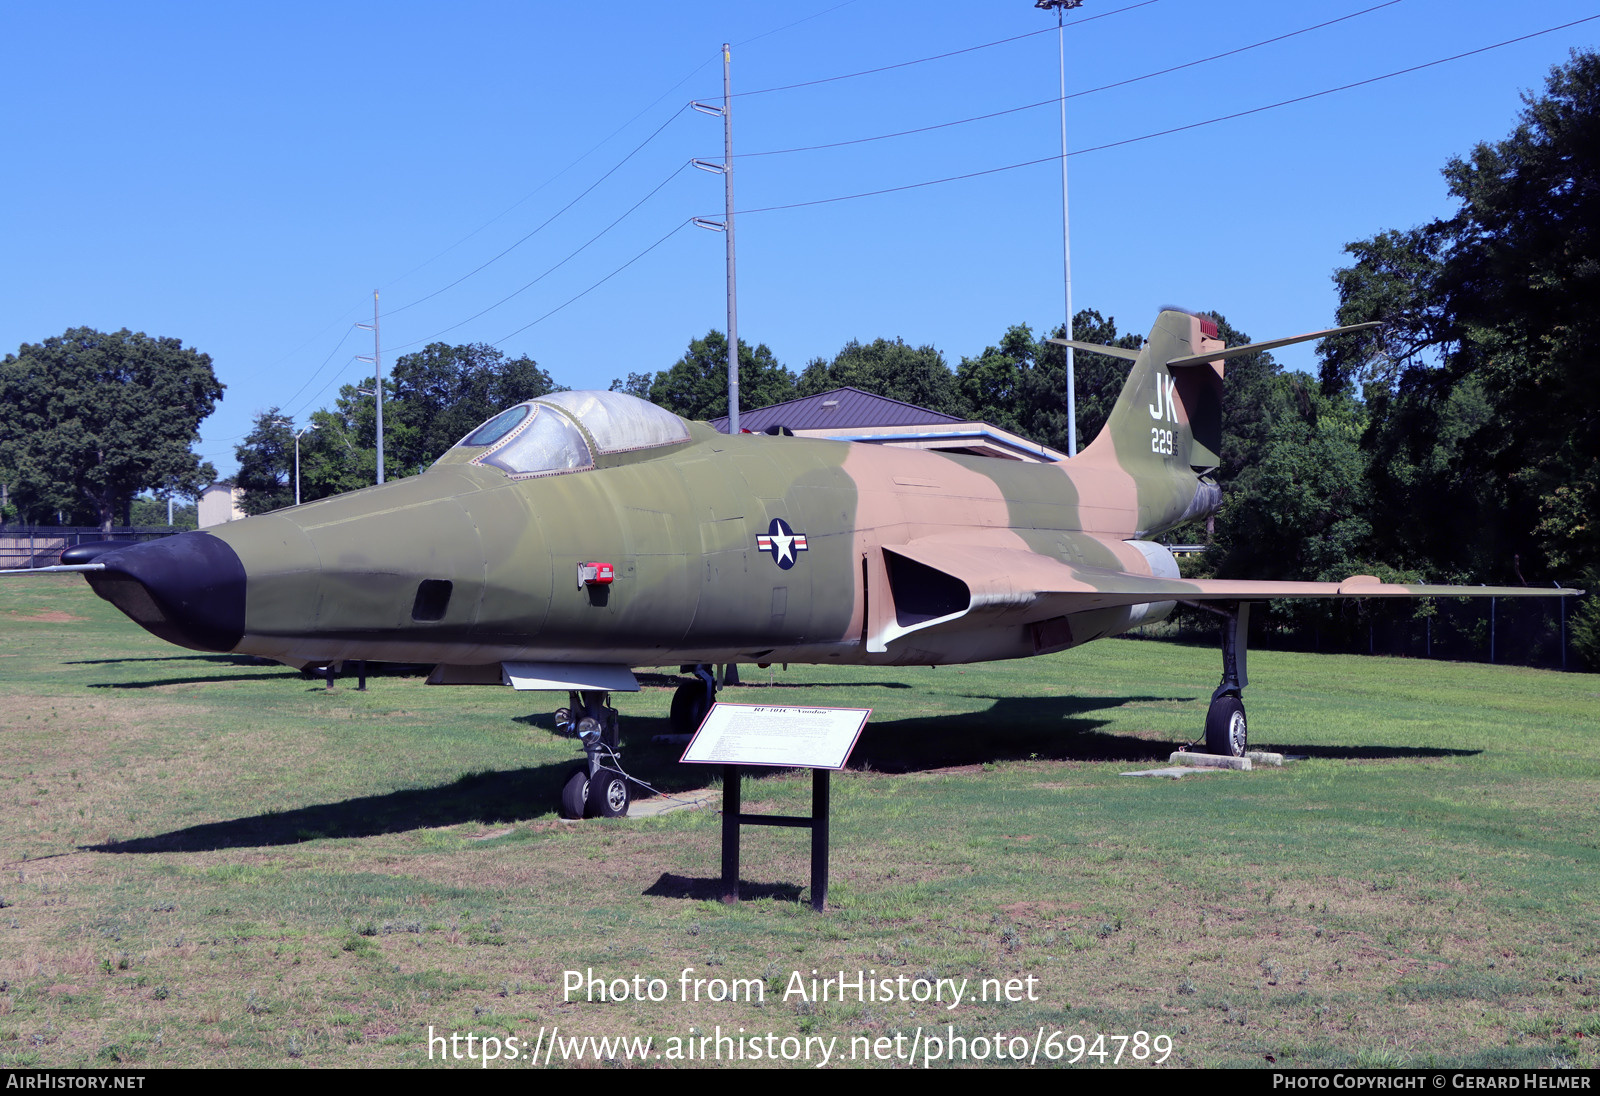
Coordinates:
(595, 789)
(1226, 728)
(693, 699)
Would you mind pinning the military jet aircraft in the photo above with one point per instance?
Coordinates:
(576, 536)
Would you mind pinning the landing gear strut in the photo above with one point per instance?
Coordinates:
(1227, 732)
(594, 789)
(693, 700)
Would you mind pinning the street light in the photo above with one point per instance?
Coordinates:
(1061, 8)
(297, 437)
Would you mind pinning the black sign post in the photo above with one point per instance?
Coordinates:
(733, 817)
(739, 735)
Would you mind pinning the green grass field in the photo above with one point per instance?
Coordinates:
(207, 861)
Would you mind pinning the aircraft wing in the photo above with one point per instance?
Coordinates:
(1013, 577)
(950, 581)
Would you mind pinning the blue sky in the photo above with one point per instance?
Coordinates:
(243, 178)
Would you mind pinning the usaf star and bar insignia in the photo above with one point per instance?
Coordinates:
(782, 541)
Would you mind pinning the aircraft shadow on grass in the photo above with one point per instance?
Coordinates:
(1368, 753)
(225, 660)
(207, 680)
(1053, 728)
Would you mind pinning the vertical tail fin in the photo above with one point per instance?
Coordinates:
(1168, 418)
(1166, 427)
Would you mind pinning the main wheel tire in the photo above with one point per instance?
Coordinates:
(575, 794)
(689, 707)
(608, 795)
(1227, 732)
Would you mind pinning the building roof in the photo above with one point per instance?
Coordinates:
(840, 408)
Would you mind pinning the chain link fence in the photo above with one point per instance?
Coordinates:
(42, 545)
(1508, 631)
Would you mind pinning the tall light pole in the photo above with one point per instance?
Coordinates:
(297, 437)
(1061, 8)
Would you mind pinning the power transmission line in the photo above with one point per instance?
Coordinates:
(319, 369)
(942, 56)
(1075, 94)
(524, 239)
(598, 145)
(1175, 129)
(642, 112)
(550, 270)
(681, 226)
(796, 23)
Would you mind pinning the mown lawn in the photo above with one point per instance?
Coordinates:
(209, 861)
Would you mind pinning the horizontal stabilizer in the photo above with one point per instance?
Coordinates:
(1270, 344)
(1098, 348)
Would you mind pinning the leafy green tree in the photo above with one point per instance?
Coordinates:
(151, 512)
(1021, 384)
(637, 384)
(341, 454)
(912, 374)
(1482, 395)
(92, 419)
(1298, 508)
(441, 392)
(266, 464)
(697, 386)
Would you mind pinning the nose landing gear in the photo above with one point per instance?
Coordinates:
(594, 789)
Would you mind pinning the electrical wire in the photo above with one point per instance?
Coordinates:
(330, 382)
(594, 148)
(319, 368)
(796, 23)
(1074, 95)
(684, 224)
(311, 340)
(941, 56)
(1174, 129)
(601, 143)
(615, 167)
(571, 255)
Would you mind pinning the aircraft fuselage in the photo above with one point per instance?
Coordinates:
(745, 548)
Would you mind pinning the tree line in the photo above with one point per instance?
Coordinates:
(1462, 444)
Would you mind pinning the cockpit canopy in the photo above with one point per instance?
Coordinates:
(564, 431)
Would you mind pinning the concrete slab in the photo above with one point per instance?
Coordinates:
(1209, 761)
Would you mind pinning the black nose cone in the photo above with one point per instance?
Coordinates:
(188, 589)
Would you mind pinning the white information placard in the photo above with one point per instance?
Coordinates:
(767, 734)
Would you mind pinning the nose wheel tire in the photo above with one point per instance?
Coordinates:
(608, 795)
(575, 794)
(1227, 733)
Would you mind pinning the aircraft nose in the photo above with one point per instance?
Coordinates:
(188, 589)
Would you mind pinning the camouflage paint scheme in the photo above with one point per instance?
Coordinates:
(745, 548)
